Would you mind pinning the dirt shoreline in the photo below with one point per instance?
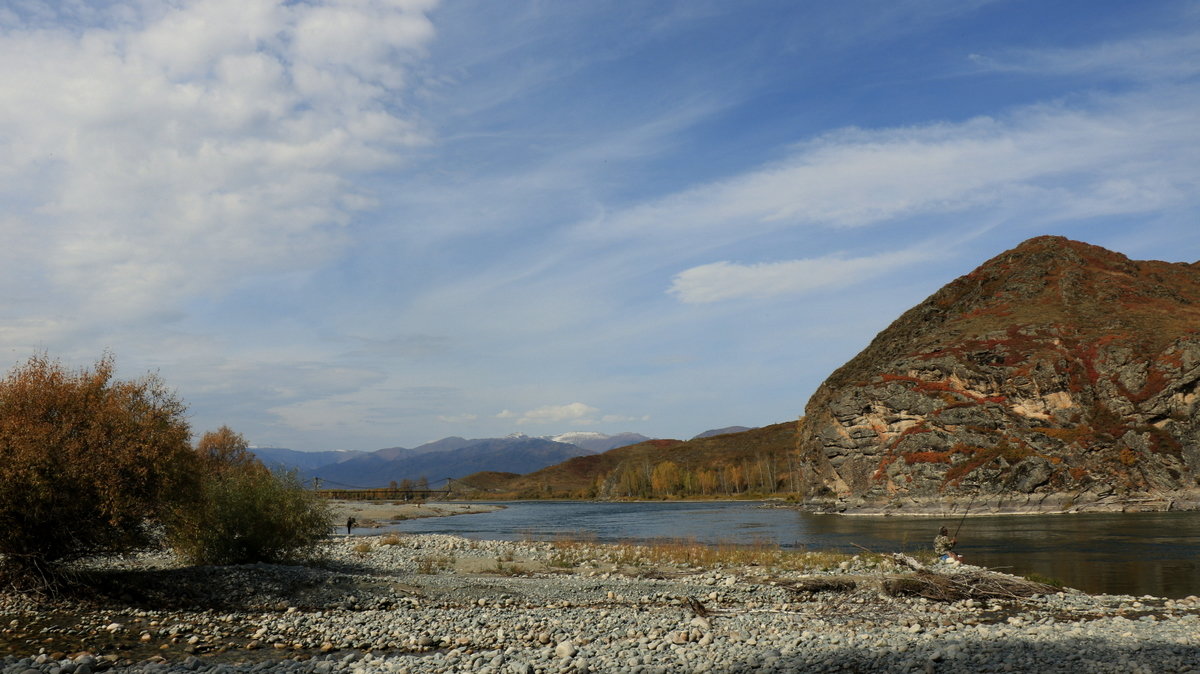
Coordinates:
(376, 514)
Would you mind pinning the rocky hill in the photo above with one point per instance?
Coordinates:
(1057, 371)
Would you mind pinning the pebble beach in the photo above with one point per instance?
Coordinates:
(437, 603)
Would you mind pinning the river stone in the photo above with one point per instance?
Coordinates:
(566, 649)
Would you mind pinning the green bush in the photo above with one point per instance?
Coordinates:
(244, 512)
(247, 515)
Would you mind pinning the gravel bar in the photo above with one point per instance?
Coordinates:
(436, 603)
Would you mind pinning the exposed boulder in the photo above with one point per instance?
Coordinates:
(1055, 367)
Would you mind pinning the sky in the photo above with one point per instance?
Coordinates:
(357, 224)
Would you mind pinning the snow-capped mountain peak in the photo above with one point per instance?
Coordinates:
(572, 436)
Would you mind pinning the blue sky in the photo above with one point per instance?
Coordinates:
(367, 223)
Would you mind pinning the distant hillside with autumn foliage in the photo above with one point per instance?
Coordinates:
(754, 463)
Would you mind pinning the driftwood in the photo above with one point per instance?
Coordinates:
(962, 584)
(908, 561)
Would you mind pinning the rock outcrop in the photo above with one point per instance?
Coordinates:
(1054, 368)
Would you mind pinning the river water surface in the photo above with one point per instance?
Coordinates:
(1130, 553)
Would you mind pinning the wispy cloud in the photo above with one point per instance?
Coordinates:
(1171, 57)
(725, 280)
(1068, 159)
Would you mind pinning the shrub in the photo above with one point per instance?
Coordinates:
(243, 512)
(433, 564)
(86, 462)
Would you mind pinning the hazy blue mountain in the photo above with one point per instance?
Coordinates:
(513, 454)
(289, 459)
(390, 453)
(723, 431)
(443, 445)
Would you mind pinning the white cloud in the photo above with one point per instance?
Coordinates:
(163, 155)
(1145, 58)
(725, 280)
(617, 418)
(576, 413)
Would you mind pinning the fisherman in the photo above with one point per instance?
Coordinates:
(350, 524)
(943, 547)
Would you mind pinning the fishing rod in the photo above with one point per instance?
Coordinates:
(964, 516)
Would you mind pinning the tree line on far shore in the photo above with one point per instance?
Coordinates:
(92, 465)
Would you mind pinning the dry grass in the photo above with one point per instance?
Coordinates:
(689, 553)
(509, 569)
(390, 539)
(431, 564)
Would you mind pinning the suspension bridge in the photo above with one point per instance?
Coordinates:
(394, 492)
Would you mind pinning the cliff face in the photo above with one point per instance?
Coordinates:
(1054, 367)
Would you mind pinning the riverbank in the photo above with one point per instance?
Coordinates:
(437, 603)
(1008, 504)
(375, 514)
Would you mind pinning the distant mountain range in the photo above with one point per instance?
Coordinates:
(290, 459)
(722, 431)
(452, 457)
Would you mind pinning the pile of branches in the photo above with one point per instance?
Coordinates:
(965, 584)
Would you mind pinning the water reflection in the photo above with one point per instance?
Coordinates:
(1136, 553)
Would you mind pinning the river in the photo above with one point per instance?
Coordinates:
(1131, 553)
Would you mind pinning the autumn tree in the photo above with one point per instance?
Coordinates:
(633, 481)
(665, 479)
(86, 462)
(223, 450)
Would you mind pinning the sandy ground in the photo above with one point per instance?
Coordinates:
(371, 514)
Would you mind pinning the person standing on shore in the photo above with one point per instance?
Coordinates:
(349, 524)
(943, 547)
